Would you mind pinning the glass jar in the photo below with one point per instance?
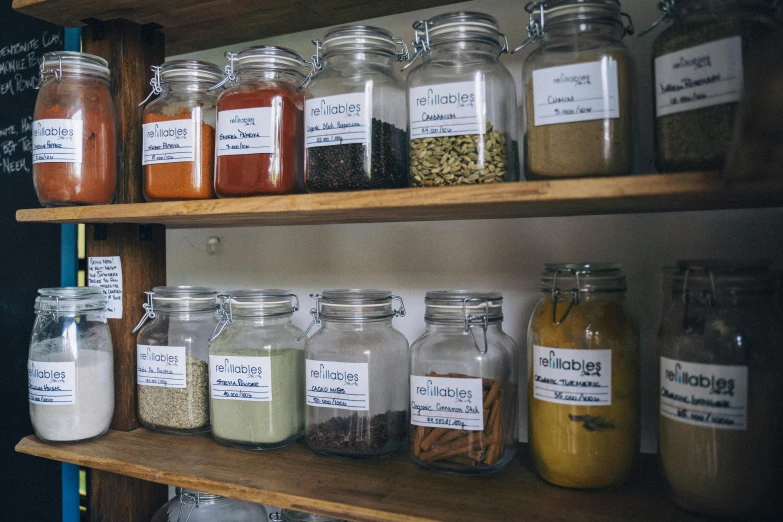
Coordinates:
(289, 515)
(74, 131)
(172, 354)
(355, 133)
(462, 103)
(699, 76)
(70, 367)
(720, 386)
(256, 370)
(583, 377)
(356, 375)
(178, 133)
(260, 123)
(579, 91)
(463, 382)
(196, 506)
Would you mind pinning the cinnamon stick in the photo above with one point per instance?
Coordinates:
(495, 432)
(430, 439)
(492, 394)
(466, 445)
(418, 436)
(449, 436)
(465, 461)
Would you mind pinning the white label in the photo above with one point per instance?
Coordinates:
(51, 383)
(447, 109)
(698, 77)
(240, 378)
(161, 366)
(244, 131)
(706, 395)
(168, 142)
(443, 402)
(57, 140)
(106, 273)
(580, 92)
(338, 385)
(568, 376)
(337, 120)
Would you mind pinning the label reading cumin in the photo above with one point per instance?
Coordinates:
(244, 131)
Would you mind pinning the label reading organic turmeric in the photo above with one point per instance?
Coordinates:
(566, 376)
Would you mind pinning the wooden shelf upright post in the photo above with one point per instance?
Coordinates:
(130, 49)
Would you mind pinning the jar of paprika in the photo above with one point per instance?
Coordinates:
(260, 120)
(74, 131)
(179, 131)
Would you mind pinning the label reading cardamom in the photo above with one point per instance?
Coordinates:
(446, 109)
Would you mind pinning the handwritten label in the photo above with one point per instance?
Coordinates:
(706, 395)
(106, 272)
(244, 131)
(340, 385)
(580, 92)
(161, 366)
(698, 77)
(447, 109)
(443, 402)
(168, 142)
(337, 120)
(51, 383)
(57, 140)
(566, 376)
(240, 378)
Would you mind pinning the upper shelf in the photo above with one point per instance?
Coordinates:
(650, 193)
(194, 25)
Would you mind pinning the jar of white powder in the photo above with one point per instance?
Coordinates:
(70, 368)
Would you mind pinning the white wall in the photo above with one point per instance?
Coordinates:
(503, 255)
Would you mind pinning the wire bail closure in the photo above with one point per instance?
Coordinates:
(556, 295)
(318, 318)
(226, 315)
(187, 498)
(228, 74)
(471, 321)
(420, 45)
(58, 74)
(149, 311)
(686, 301)
(667, 13)
(154, 83)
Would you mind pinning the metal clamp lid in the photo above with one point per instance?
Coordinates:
(667, 13)
(149, 311)
(226, 311)
(471, 321)
(575, 292)
(154, 83)
(228, 76)
(317, 315)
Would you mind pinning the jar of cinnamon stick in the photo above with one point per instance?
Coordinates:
(179, 131)
(260, 127)
(463, 381)
(74, 132)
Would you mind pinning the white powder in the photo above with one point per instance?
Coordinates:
(91, 415)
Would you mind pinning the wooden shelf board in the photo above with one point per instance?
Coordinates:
(391, 489)
(649, 193)
(195, 25)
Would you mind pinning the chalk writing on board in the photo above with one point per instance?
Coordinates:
(106, 273)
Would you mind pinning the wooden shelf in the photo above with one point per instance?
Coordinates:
(391, 489)
(194, 25)
(650, 193)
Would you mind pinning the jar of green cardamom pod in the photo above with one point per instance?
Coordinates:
(699, 67)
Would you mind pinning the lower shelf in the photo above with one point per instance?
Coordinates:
(391, 489)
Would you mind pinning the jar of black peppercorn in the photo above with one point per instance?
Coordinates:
(355, 125)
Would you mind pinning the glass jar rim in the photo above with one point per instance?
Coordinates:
(57, 62)
(269, 58)
(200, 496)
(462, 26)
(70, 298)
(259, 302)
(189, 71)
(584, 277)
(457, 306)
(720, 277)
(357, 38)
(356, 305)
(289, 515)
(193, 298)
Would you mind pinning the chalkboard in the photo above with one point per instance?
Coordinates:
(29, 259)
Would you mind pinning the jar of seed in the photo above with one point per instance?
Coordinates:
(578, 85)
(355, 133)
(462, 103)
(256, 370)
(172, 353)
(699, 76)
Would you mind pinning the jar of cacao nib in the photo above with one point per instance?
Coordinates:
(356, 375)
(355, 130)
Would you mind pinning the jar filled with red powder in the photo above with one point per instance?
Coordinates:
(260, 124)
(74, 132)
(178, 134)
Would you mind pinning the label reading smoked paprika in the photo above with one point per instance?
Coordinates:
(244, 131)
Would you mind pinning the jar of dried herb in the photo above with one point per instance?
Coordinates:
(74, 131)
(578, 85)
(356, 376)
(462, 103)
(583, 377)
(260, 123)
(720, 387)
(256, 371)
(700, 75)
(355, 133)
(172, 352)
(178, 133)
(463, 395)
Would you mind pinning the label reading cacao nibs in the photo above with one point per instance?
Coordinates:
(57, 140)
(566, 376)
(340, 385)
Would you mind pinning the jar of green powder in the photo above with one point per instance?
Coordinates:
(256, 370)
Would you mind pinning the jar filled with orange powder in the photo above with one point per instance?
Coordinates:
(74, 131)
(260, 143)
(179, 131)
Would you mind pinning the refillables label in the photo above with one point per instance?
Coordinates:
(161, 366)
(566, 376)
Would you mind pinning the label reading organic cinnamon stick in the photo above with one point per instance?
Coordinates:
(566, 376)
(444, 402)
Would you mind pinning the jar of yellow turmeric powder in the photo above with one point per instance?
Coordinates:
(583, 372)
